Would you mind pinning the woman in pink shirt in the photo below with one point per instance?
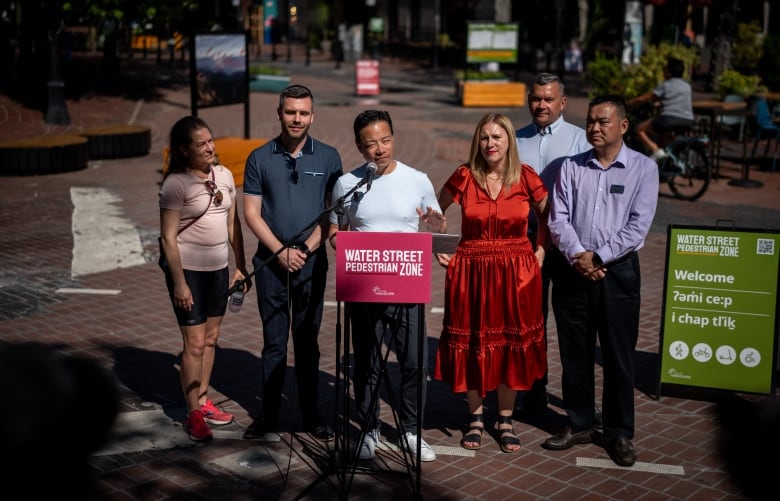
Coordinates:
(198, 225)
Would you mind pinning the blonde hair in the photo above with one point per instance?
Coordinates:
(477, 163)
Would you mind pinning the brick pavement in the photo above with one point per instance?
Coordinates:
(134, 333)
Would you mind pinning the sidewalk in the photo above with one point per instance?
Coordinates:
(133, 331)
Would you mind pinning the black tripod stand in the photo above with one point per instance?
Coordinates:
(343, 459)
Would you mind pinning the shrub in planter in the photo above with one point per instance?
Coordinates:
(267, 79)
(608, 75)
(734, 82)
(476, 75)
(266, 70)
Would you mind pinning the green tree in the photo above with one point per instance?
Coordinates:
(769, 66)
(747, 47)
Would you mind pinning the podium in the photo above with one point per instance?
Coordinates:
(378, 267)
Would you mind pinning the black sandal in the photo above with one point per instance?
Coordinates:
(474, 433)
(506, 436)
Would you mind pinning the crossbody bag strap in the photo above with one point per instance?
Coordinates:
(211, 197)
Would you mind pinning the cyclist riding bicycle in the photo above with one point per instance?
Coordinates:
(673, 95)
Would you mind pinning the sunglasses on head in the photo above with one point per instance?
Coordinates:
(213, 190)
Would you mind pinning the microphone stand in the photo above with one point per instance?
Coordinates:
(239, 284)
(336, 457)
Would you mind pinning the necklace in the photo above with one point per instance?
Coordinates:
(493, 189)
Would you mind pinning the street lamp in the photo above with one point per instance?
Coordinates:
(56, 109)
(436, 33)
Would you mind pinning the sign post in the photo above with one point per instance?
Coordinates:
(719, 324)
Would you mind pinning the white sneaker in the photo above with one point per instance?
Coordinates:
(368, 447)
(426, 453)
(659, 154)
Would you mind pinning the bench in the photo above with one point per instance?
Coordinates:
(44, 155)
(118, 141)
(233, 152)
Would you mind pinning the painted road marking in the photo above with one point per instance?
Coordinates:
(103, 240)
(107, 292)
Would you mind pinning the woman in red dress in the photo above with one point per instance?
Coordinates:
(493, 334)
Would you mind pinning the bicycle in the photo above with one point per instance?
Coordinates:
(686, 168)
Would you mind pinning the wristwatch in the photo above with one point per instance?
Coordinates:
(305, 248)
(597, 259)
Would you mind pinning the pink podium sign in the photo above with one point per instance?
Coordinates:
(383, 267)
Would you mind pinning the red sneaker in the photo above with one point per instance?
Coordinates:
(212, 415)
(197, 428)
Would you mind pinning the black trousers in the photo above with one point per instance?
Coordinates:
(607, 309)
(291, 303)
(399, 326)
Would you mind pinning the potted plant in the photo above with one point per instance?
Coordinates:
(732, 82)
(263, 78)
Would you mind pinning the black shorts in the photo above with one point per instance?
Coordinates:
(208, 295)
(665, 123)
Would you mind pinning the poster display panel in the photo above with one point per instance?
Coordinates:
(221, 69)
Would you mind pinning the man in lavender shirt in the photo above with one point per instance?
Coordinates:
(603, 205)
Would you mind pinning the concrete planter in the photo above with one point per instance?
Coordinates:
(490, 93)
(268, 83)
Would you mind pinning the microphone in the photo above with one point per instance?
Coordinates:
(370, 173)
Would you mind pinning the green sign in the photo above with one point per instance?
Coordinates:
(491, 42)
(719, 325)
(376, 25)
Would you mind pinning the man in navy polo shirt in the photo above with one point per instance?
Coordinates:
(287, 185)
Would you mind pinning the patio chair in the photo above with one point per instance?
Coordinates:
(765, 129)
(734, 124)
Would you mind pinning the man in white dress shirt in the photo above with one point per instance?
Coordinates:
(544, 144)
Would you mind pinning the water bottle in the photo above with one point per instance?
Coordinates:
(235, 301)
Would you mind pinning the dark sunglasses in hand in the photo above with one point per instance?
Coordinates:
(213, 190)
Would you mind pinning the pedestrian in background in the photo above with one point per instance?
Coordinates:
(544, 144)
(603, 206)
(493, 334)
(287, 185)
(199, 226)
(399, 198)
